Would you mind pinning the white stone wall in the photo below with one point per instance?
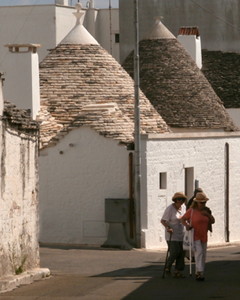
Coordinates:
(19, 250)
(193, 46)
(27, 24)
(107, 26)
(206, 155)
(26, 91)
(48, 25)
(76, 176)
(235, 115)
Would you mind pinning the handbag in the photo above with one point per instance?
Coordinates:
(188, 238)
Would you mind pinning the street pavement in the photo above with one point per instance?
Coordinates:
(111, 274)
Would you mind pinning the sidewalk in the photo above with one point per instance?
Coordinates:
(111, 274)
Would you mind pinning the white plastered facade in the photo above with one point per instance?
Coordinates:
(206, 154)
(49, 24)
(19, 202)
(76, 176)
(84, 168)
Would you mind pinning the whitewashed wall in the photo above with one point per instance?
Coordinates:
(206, 155)
(48, 25)
(27, 24)
(19, 248)
(76, 176)
(107, 25)
(235, 115)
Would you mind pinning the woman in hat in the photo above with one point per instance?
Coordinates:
(201, 219)
(190, 201)
(171, 220)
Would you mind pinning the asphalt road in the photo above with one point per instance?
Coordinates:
(111, 274)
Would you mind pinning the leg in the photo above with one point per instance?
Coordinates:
(204, 250)
(200, 257)
(177, 256)
(173, 252)
(180, 264)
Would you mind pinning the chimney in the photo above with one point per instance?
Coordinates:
(90, 18)
(22, 77)
(189, 37)
(1, 94)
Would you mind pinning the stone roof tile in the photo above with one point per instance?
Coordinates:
(19, 119)
(177, 88)
(222, 71)
(74, 77)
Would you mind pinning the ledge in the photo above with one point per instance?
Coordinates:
(9, 283)
(191, 135)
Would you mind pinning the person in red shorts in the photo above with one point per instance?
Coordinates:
(201, 220)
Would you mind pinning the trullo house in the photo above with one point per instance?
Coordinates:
(203, 145)
(86, 136)
(87, 115)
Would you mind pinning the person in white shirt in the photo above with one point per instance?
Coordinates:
(174, 231)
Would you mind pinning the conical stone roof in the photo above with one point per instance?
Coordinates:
(83, 85)
(175, 86)
(222, 71)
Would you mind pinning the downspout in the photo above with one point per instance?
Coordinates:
(226, 204)
(110, 25)
(1, 94)
(137, 150)
(131, 197)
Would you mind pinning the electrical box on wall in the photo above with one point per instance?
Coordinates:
(116, 210)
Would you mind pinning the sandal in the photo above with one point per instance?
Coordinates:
(168, 272)
(178, 274)
(199, 277)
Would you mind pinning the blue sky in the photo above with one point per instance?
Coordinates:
(98, 3)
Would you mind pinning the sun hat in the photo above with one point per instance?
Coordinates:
(179, 195)
(197, 190)
(200, 197)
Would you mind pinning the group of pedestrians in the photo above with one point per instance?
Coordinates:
(183, 216)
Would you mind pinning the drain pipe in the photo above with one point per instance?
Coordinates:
(137, 150)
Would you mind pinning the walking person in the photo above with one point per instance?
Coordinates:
(201, 220)
(174, 228)
(190, 201)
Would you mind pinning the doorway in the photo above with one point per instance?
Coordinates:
(189, 182)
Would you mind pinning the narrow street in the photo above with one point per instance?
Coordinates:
(110, 274)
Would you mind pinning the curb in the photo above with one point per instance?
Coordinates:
(9, 283)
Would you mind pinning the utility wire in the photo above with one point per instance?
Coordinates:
(216, 16)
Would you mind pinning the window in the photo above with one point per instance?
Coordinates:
(117, 38)
(162, 180)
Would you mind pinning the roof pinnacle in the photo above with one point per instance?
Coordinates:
(79, 34)
(79, 14)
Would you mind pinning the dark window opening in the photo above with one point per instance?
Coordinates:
(162, 180)
(117, 38)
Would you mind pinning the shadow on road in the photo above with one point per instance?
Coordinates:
(222, 282)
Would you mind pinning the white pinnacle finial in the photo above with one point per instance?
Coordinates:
(159, 19)
(79, 13)
(90, 4)
(79, 34)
